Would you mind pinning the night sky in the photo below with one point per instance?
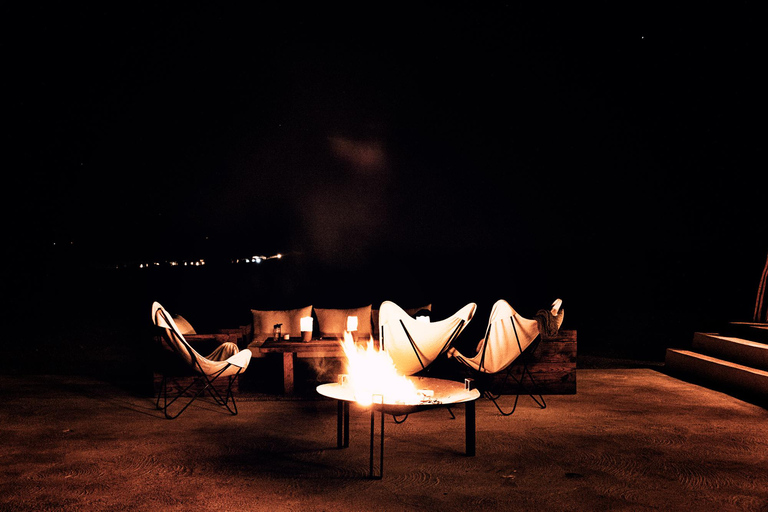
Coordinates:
(611, 152)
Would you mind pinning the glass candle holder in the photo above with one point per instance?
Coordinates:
(306, 328)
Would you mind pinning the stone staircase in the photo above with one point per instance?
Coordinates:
(735, 361)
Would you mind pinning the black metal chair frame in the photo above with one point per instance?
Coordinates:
(519, 382)
(416, 352)
(205, 382)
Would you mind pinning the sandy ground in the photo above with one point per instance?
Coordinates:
(630, 439)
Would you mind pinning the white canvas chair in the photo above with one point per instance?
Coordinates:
(414, 344)
(507, 337)
(225, 362)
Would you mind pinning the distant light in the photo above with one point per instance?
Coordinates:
(278, 256)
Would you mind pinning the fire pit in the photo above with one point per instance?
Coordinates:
(433, 393)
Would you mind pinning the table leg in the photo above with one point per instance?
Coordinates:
(346, 424)
(342, 424)
(469, 418)
(288, 358)
(381, 446)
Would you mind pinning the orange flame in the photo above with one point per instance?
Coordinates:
(372, 372)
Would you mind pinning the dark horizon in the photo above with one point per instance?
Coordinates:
(608, 153)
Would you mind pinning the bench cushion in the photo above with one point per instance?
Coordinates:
(265, 320)
(333, 322)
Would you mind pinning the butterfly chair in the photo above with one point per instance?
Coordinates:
(227, 362)
(507, 337)
(414, 344)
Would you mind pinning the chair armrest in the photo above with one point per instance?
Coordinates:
(233, 330)
(241, 359)
(245, 335)
(219, 338)
(236, 335)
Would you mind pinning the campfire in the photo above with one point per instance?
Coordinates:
(372, 375)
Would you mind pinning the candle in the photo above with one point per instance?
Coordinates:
(306, 328)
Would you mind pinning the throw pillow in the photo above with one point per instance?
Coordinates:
(264, 321)
(333, 322)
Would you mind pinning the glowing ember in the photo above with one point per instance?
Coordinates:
(372, 372)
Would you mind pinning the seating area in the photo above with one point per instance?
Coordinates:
(326, 323)
(301, 344)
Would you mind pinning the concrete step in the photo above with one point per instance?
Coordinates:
(754, 331)
(737, 350)
(718, 373)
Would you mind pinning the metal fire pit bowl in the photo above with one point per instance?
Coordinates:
(445, 393)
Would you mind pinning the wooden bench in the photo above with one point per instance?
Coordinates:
(552, 364)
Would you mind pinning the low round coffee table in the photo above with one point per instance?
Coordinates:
(445, 393)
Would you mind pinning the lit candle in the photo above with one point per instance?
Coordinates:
(351, 323)
(306, 328)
